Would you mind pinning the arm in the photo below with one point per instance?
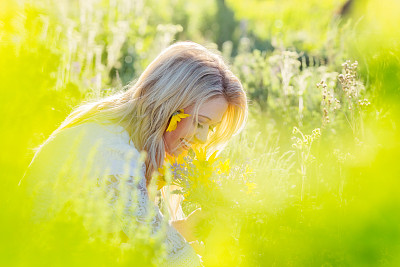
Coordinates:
(186, 227)
(178, 250)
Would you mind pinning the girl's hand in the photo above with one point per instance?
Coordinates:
(198, 247)
(187, 226)
(195, 217)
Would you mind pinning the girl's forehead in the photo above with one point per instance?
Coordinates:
(210, 110)
(213, 109)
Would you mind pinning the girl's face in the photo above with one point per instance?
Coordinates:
(188, 132)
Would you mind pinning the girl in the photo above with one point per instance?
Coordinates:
(187, 97)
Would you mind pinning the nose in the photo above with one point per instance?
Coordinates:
(201, 135)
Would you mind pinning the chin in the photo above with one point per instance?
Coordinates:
(180, 151)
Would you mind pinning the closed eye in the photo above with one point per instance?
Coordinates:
(212, 128)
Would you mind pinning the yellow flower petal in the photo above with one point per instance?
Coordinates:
(175, 119)
(224, 167)
(161, 183)
(160, 178)
(250, 187)
(213, 158)
(180, 159)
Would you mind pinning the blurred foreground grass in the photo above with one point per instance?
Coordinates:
(324, 199)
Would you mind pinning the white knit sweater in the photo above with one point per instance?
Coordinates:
(100, 157)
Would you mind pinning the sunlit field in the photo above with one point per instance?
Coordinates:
(312, 180)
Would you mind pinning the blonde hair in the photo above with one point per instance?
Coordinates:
(183, 74)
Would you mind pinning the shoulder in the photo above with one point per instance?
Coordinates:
(103, 148)
(108, 144)
(103, 135)
(94, 132)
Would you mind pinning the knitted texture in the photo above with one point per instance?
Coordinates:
(101, 158)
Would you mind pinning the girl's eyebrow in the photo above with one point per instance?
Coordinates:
(208, 118)
(205, 117)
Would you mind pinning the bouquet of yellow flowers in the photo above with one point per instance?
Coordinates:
(208, 182)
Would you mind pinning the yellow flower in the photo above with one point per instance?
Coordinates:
(169, 159)
(201, 156)
(224, 167)
(248, 169)
(176, 117)
(180, 159)
(160, 179)
(213, 158)
(250, 187)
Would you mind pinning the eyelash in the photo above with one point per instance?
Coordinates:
(211, 128)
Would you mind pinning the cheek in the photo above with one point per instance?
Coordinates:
(171, 138)
(184, 128)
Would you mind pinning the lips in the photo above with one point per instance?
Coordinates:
(185, 144)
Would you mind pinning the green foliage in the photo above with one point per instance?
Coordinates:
(323, 195)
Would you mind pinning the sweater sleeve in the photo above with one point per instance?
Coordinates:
(87, 150)
(96, 165)
(144, 212)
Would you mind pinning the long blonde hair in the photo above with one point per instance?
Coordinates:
(183, 74)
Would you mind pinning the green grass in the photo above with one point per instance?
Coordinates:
(330, 201)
